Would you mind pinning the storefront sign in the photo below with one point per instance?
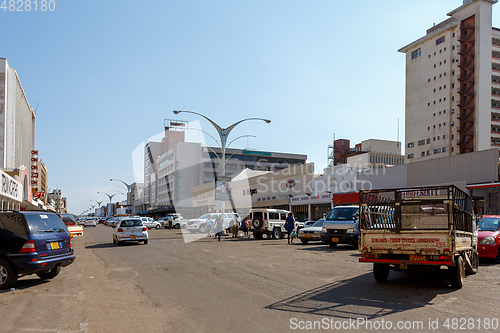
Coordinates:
(10, 187)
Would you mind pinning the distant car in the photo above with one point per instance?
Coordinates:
(310, 234)
(489, 237)
(150, 223)
(130, 229)
(304, 224)
(32, 243)
(90, 222)
(176, 221)
(111, 222)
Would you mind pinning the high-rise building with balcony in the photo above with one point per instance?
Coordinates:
(453, 85)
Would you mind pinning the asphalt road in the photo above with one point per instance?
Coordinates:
(240, 285)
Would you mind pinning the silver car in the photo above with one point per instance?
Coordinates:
(129, 230)
(312, 233)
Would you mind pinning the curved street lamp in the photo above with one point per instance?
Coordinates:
(110, 197)
(129, 188)
(223, 135)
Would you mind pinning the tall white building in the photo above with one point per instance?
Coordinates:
(452, 84)
(17, 121)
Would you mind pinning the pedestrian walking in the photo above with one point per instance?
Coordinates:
(218, 226)
(169, 220)
(209, 226)
(244, 226)
(289, 225)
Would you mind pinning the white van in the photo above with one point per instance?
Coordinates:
(268, 221)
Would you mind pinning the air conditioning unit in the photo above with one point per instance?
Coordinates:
(452, 123)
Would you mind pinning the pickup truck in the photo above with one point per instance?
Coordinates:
(419, 229)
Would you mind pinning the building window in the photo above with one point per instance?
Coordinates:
(429, 104)
(423, 153)
(440, 40)
(421, 142)
(444, 150)
(444, 87)
(452, 149)
(434, 77)
(453, 47)
(428, 152)
(445, 47)
(429, 80)
(434, 65)
(444, 137)
(445, 61)
(415, 54)
(411, 144)
(434, 89)
(410, 156)
(437, 151)
(428, 140)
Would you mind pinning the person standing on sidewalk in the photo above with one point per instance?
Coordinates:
(218, 226)
(289, 225)
(209, 226)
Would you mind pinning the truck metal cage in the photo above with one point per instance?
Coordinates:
(416, 208)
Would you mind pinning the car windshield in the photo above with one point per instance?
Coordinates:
(131, 223)
(204, 216)
(43, 223)
(68, 218)
(341, 214)
(318, 223)
(488, 224)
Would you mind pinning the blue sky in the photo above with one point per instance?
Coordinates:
(105, 75)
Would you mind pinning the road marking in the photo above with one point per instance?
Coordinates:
(83, 328)
(80, 297)
(206, 250)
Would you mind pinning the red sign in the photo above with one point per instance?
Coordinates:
(177, 124)
(34, 159)
(38, 195)
(34, 182)
(34, 174)
(34, 152)
(34, 167)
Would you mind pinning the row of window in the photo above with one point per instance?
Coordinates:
(435, 77)
(439, 125)
(444, 112)
(428, 152)
(418, 52)
(443, 99)
(428, 141)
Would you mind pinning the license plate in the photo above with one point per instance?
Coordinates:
(417, 257)
(307, 236)
(54, 245)
(133, 237)
(335, 239)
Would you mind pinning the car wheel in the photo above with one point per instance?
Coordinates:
(332, 245)
(118, 243)
(114, 240)
(177, 226)
(474, 262)
(50, 274)
(277, 233)
(203, 229)
(8, 274)
(380, 272)
(457, 273)
(145, 241)
(157, 227)
(304, 241)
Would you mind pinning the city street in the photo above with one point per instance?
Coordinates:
(239, 285)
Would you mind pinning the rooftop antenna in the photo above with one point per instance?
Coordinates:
(36, 108)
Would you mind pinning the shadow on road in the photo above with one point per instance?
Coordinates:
(363, 297)
(100, 246)
(27, 282)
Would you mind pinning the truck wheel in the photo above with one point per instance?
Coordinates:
(8, 275)
(380, 272)
(50, 274)
(257, 235)
(474, 261)
(332, 245)
(257, 223)
(457, 273)
(304, 241)
(276, 233)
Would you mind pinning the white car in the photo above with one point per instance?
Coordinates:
(176, 221)
(310, 234)
(199, 224)
(90, 222)
(150, 223)
(130, 229)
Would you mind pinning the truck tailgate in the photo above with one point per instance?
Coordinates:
(405, 242)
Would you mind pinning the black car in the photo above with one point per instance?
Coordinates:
(32, 243)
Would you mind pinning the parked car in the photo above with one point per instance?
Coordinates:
(311, 234)
(199, 224)
(304, 224)
(489, 237)
(130, 229)
(268, 221)
(341, 226)
(90, 222)
(72, 224)
(176, 221)
(32, 243)
(150, 223)
(112, 222)
(229, 220)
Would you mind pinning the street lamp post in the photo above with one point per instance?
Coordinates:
(129, 188)
(98, 205)
(110, 197)
(223, 135)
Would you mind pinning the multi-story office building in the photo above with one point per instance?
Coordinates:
(453, 85)
(17, 121)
